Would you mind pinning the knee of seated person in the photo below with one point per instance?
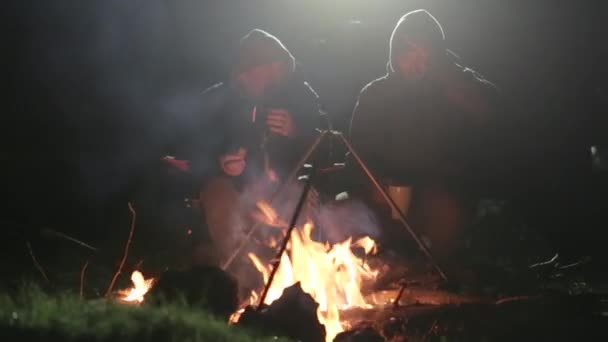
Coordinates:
(217, 187)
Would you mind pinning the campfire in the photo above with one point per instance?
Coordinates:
(332, 274)
(319, 286)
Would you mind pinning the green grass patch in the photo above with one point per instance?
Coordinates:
(34, 315)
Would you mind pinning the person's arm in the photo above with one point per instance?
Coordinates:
(366, 129)
(482, 135)
(295, 122)
(207, 136)
(468, 91)
(309, 117)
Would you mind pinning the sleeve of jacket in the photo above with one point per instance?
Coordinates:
(364, 132)
(207, 136)
(311, 119)
(474, 94)
(485, 135)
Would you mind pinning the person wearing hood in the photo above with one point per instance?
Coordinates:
(256, 125)
(419, 127)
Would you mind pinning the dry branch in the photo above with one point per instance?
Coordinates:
(51, 232)
(36, 263)
(82, 272)
(126, 254)
(515, 299)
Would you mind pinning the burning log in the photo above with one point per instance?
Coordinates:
(293, 315)
(413, 296)
(205, 286)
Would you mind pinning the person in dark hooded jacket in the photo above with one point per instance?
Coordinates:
(420, 126)
(256, 125)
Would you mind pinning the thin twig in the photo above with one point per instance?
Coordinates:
(82, 272)
(514, 299)
(398, 298)
(545, 263)
(126, 254)
(36, 263)
(429, 333)
(49, 231)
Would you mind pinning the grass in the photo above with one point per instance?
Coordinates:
(34, 315)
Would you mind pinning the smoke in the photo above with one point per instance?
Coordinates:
(347, 218)
(334, 221)
(114, 77)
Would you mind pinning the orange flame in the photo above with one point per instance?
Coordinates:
(140, 287)
(368, 245)
(332, 275)
(268, 216)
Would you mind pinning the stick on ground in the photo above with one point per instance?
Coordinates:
(82, 272)
(36, 263)
(126, 254)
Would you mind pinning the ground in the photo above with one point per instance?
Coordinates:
(66, 317)
(501, 246)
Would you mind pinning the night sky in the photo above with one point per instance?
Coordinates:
(98, 91)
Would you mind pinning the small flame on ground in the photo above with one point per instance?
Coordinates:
(141, 286)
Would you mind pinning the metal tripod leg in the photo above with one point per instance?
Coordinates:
(292, 225)
(390, 201)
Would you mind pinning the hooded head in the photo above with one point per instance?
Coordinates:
(416, 40)
(262, 61)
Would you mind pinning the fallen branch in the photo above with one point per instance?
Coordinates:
(431, 331)
(82, 271)
(398, 298)
(126, 254)
(514, 299)
(36, 263)
(51, 232)
(545, 263)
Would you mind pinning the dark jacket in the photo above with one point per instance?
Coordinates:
(227, 118)
(409, 132)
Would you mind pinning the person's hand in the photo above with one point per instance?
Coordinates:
(182, 165)
(279, 121)
(233, 164)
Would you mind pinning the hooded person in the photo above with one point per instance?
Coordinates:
(419, 127)
(254, 127)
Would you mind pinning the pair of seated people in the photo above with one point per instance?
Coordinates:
(417, 127)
